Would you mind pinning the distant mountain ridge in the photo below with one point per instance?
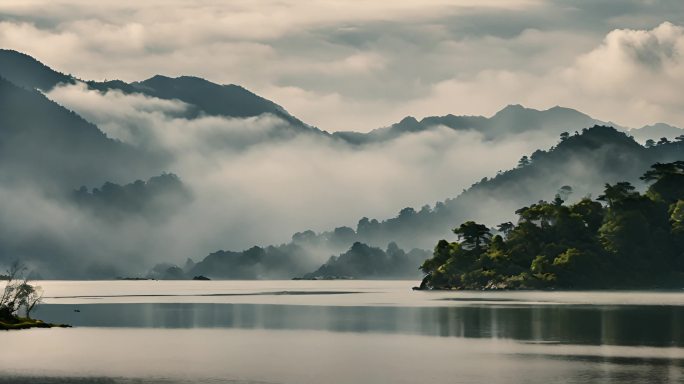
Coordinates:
(656, 132)
(513, 119)
(234, 101)
(205, 97)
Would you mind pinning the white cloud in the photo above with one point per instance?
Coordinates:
(633, 78)
(251, 191)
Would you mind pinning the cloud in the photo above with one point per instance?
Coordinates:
(650, 59)
(251, 185)
(366, 64)
(340, 66)
(632, 77)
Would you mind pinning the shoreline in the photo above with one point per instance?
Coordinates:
(19, 323)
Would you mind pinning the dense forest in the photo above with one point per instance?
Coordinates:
(364, 262)
(622, 239)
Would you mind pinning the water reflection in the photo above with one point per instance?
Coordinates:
(566, 324)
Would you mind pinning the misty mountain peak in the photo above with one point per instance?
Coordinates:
(407, 124)
(512, 108)
(25, 71)
(656, 131)
(211, 98)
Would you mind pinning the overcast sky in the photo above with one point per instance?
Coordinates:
(362, 64)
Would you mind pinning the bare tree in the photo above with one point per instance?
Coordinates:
(18, 292)
(33, 296)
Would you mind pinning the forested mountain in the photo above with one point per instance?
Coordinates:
(27, 72)
(203, 97)
(577, 167)
(633, 241)
(584, 161)
(42, 142)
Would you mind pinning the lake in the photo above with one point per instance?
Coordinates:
(343, 331)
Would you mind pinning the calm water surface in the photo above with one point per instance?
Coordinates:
(344, 332)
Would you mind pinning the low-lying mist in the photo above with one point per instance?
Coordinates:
(251, 184)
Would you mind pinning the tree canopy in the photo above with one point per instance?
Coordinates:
(624, 239)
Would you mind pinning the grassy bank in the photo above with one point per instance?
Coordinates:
(16, 322)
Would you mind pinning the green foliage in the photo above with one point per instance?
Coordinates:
(677, 217)
(633, 241)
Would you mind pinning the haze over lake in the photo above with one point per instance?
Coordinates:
(341, 192)
(345, 332)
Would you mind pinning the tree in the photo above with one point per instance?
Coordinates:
(564, 136)
(564, 192)
(650, 143)
(523, 161)
(663, 140)
(680, 138)
(667, 181)
(659, 170)
(29, 297)
(617, 193)
(473, 234)
(18, 293)
(632, 241)
(506, 227)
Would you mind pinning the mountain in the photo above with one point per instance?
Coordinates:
(576, 167)
(210, 98)
(203, 96)
(656, 132)
(42, 141)
(584, 162)
(623, 239)
(513, 119)
(25, 71)
(44, 144)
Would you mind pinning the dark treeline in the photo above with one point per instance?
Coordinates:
(296, 260)
(156, 198)
(624, 239)
(365, 262)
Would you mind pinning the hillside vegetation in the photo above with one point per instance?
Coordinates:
(624, 239)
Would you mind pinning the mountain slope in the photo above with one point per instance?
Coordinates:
(203, 96)
(42, 141)
(27, 72)
(584, 161)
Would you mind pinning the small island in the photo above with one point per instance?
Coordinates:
(624, 240)
(18, 294)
